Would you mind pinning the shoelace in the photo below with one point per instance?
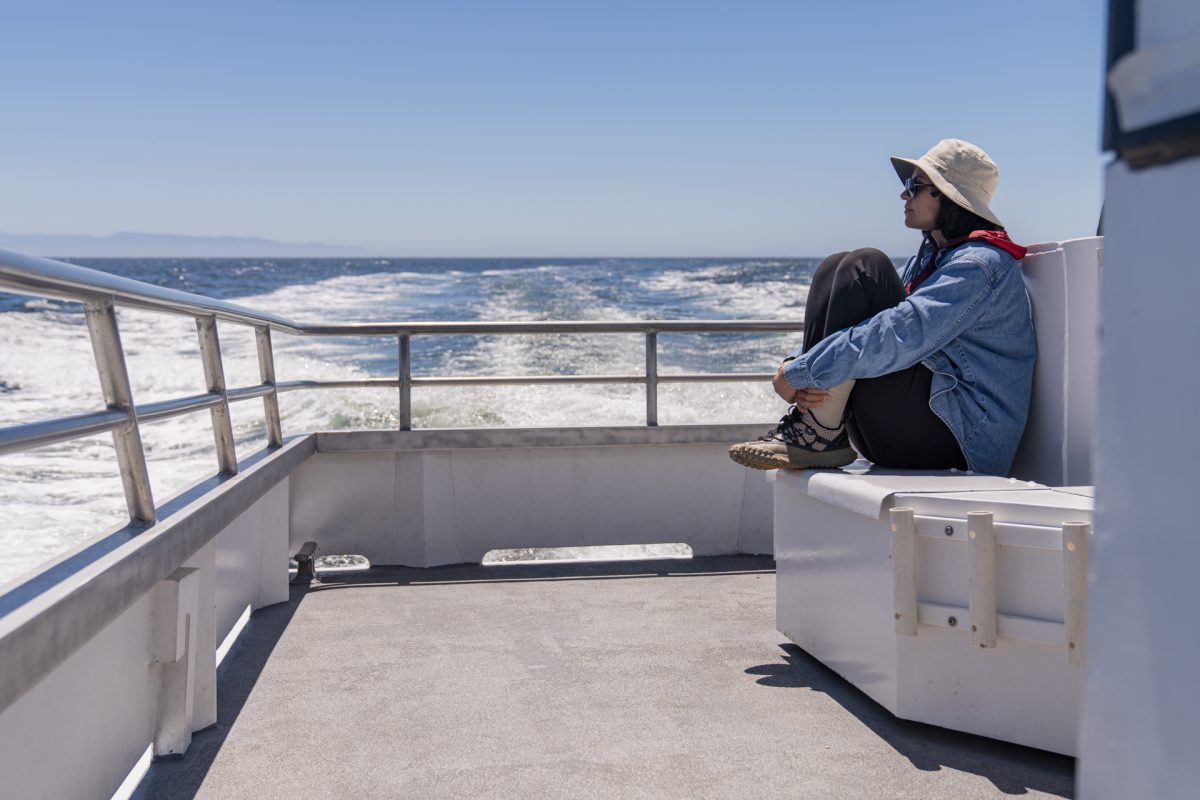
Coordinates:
(793, 429)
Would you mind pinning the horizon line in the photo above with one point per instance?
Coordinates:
(376, 257)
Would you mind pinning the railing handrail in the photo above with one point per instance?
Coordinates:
(100, 292)
(44, 277)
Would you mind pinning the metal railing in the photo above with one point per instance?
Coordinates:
(101, 292)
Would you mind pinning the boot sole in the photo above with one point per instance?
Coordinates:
(749, 455)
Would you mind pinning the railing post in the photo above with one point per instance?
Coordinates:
(405, 344)
(651, 378)
(266, 369)
(214, 376)
(114, 380)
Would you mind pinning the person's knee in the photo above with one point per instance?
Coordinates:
(869, 257)
(864, 263)
(831, 263)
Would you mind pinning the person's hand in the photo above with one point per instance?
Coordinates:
(804, 399)
(810, 398)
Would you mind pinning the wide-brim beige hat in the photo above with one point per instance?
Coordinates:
(960, 171)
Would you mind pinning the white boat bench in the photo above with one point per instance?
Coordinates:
(952, 598)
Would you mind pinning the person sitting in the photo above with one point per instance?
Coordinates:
(932, 370)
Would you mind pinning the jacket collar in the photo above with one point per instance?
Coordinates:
(995, 238)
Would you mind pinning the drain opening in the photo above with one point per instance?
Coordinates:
(602, 552)
(335, 563)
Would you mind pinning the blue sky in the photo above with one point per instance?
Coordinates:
(541, 128)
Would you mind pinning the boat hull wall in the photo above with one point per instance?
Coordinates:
(448, 505)
(105, 704)
(1142, 703)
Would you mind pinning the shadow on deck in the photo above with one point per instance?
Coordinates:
(648, 678)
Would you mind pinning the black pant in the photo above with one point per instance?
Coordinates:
(888, 418)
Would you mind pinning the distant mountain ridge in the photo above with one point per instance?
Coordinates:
(133, 244)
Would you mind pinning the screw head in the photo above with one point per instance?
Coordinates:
(949, 530)
(952, 621)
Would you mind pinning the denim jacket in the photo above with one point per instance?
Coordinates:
(971, 324)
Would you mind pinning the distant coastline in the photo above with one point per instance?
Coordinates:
(133, 244)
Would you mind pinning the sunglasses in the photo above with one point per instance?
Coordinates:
(912, 187)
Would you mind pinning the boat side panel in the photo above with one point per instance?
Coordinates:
(430, 507)
(346, 504)
(98, 710)
(79, 731)
(756, 533)
(598, 496)
(431, 523)
(251, 560)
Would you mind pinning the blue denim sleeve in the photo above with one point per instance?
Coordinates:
(948, 303)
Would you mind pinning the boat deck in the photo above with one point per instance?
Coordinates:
(630, 679)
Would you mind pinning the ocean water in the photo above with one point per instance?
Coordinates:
(57, 496)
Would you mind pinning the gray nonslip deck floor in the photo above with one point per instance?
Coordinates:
(633, 679)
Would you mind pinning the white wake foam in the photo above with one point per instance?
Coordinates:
(58, 496)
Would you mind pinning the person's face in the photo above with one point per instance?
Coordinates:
(921, 208)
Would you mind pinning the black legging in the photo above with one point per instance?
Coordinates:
(889, 420)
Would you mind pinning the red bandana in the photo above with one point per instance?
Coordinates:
(996, 238)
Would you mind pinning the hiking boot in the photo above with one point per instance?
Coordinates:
(797, 442)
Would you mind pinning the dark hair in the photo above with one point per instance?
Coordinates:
(954, 221)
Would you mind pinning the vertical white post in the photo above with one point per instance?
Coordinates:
(1076, 536)
(173, 641)
(981, 546)
(904, 570)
